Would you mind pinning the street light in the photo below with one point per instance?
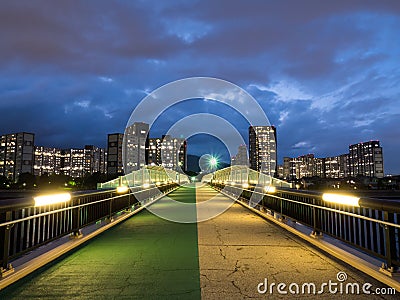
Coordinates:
(341, 199)
(122, 189)
(51, 199)
(270, 189)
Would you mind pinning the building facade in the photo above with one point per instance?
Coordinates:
(241, 158)
(344, 166)
(135, 141)
(140, 150)
(366, 159)
(47, 161)
(336, 166)
(70, 162)
(95, 159)
(16, 154)
(114, 154)
(263, 149)
(310, 166)
(168, 152)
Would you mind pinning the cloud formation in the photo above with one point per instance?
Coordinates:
(324, 72)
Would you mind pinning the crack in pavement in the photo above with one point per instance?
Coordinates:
(235, 270)
(240, 290)
(205, 276)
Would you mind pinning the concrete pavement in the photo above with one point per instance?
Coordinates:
(238, 250)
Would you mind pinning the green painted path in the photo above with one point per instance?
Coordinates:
(145, 257)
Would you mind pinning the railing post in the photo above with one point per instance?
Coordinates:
(110, 213)
(6, 268)
(390, 246)
(281, 217)
(76, 217)
(129, 200)
(315, 233)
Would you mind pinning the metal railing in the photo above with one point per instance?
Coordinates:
(373, 227)
(24, 227)
(146, 175)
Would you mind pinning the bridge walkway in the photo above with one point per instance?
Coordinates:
(226, 257)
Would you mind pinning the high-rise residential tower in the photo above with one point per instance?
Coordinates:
(241, 158)
(114, 154)
(168, 152)
(16, 154)
(263, 149)
(135, 141)
(366, 159)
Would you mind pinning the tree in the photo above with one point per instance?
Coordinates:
(90, 181)
(191, 173)
(26, 181)
(4, 182)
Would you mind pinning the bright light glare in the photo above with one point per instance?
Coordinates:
(52, 199)
(341, 199)
(146, 185)
(122, 189)
(213, 162)
(245, 185)
(270, 189)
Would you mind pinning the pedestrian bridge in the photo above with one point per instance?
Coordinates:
(269, 242)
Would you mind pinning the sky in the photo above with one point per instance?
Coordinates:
(326, 73)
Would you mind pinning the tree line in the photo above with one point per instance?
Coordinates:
(53, 181)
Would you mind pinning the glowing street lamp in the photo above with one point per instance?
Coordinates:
(52, 199)
(122, 189)
(270, 189)
(341, 199)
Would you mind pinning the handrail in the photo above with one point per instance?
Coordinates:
(328, 208)
(366, 202)
(60, 210)
(9, 204)
(25, 228)
(339, 211)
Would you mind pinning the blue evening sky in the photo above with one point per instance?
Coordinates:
(326, 73)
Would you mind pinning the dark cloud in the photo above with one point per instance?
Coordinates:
(326, 73)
